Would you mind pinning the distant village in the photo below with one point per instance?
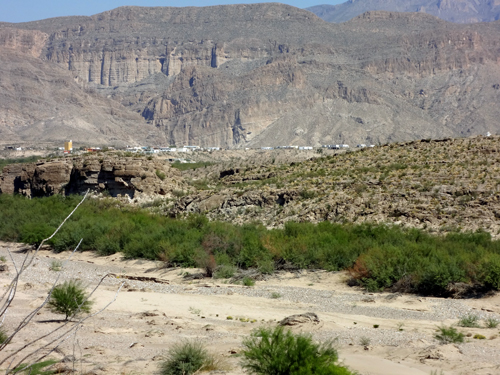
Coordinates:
(68, 148)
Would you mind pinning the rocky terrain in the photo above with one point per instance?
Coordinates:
(273, 75)
(440, 186)
(121, 177)
(376, 334)
(459, 11)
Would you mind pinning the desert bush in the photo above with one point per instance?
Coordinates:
(3, 335)
(224, 271)
(477, 336)
(187, 166)
(469, 320)
(280, 352)
(40, 368)
(248, 281)
(364, 341)
(69, 298)
(492, 323)
(55, 265)
(186, 358)
(378, 256)
(160, 174)
(447, 335)
(490, 271)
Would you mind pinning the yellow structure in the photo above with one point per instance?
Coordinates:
(68, 146)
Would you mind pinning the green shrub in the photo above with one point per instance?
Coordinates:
(275, 295)
(490, 271)
(492, 323)
(477, 336)
(160, 175)
(69, 298)
(280, 352)
(3, 335)
(225, 271)
(55, 265)
(469, 320)
(447, 335)
(307, 194)
(187, 166)
(35, 233)
(365, 341)
(247, 281)
(185, 358)
(36, 369)
(377, 256)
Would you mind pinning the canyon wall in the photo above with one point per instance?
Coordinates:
(270, 74)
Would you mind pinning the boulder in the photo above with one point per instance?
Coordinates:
(298, 319)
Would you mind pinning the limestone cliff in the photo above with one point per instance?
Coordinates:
(42, 102)
(26, 41)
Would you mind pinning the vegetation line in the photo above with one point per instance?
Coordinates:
(377, 256)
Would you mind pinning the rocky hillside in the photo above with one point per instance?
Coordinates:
(459, 11)
(273, 75)
(439, 185)
(443, 185)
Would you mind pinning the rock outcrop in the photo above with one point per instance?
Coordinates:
(135, 178)
(299, 319)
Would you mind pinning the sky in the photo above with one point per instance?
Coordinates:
(31, 10)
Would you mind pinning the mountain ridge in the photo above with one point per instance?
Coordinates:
(458, 11)
(278, 74)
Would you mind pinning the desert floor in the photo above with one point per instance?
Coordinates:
(133, 334)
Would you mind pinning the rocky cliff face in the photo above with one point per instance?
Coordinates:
(128, 44)
(25, 41)
(133, 178)
(459, 11)
(277, 75)
(42, 102)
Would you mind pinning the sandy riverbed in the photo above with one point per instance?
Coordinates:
(133, 333)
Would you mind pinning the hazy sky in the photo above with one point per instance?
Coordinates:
(30, 10)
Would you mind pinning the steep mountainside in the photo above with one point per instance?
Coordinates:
(40, 101)
(270, 74)
(460, 11)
